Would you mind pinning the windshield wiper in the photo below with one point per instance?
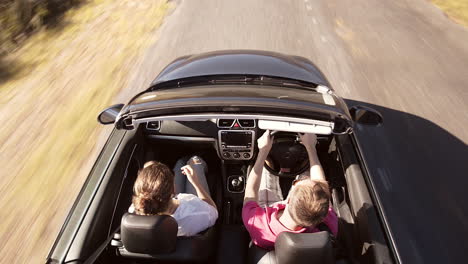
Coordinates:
(234, 79)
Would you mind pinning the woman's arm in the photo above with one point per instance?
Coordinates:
(193, 177)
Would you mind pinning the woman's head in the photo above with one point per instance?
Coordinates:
(153, 189)
(308, 202)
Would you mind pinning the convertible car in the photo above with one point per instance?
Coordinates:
(216, 105)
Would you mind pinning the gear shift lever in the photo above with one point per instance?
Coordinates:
(236, 183)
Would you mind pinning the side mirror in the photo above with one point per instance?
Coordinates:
(365, 115)
(109, 115)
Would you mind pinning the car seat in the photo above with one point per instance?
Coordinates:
(155, 237)
(295, 248)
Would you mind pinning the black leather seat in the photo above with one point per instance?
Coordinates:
(295, 248)
(155, 237)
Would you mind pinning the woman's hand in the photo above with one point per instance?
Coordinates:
(191, 174)
(193, 178)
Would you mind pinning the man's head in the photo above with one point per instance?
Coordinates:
(308, 202)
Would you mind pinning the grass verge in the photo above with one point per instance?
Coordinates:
(66, 76)
(455, 9)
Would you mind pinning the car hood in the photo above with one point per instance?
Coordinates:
(242, 62)
(240, 82)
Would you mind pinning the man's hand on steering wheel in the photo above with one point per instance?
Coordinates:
(287, 157)
(265, 142)
(308, 139)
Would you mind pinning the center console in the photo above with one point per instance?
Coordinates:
(236, 144)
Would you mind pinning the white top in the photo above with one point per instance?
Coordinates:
(193, 214)
(270, 190)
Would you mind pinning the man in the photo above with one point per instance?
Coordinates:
(307, 205)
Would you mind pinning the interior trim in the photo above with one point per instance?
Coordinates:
(197, 117)
(154, 129)
(183, 138)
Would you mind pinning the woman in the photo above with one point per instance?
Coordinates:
(192, 207)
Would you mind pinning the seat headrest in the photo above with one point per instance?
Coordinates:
(304, 248)
(149, 234)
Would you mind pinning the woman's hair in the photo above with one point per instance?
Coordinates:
(309, 202)
(153, 189)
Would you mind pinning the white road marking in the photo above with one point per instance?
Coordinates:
(307, 1)
(427, 43)
(323, 39)
(345, 88)
(308, 7)
(314, 21)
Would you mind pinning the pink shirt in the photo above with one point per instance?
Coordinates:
(263, 224)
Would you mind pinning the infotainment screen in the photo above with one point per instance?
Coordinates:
(241, 139)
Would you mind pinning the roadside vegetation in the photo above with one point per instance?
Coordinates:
(455, 9)
(58, 79)
(20, 19)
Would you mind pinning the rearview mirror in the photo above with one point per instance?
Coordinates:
(365, 115)
(109, 115)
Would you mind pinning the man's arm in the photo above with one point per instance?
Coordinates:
(255, 176)
(193, 178)
(316, 171)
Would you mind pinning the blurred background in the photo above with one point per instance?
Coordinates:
(63, 61)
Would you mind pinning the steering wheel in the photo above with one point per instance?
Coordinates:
(287, 157)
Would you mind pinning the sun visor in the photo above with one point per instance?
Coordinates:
(321, 128)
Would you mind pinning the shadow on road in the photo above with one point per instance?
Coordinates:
(420, 172)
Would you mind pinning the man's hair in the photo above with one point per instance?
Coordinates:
(153, 189)
(309, 202)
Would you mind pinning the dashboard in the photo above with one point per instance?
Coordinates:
(234, 138)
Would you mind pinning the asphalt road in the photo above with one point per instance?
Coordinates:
(404, 57)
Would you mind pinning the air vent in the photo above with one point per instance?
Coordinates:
(153, 125)
(247, 123)
(225, 123)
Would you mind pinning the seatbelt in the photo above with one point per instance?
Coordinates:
(93, 257)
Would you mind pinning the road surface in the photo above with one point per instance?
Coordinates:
(404, 57)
